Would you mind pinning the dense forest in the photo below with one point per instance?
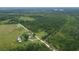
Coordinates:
(58, 28)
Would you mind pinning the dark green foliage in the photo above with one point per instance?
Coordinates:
(62, 30)
(24, 36)
(31, 46)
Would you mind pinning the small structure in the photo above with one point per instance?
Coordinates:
(19, 39)
(30, 35)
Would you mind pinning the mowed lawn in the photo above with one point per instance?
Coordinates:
(8, 36)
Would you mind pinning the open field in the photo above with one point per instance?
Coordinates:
(8, 39)
(39, 29)
(8, 36)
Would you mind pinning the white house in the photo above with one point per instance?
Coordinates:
(19, 39)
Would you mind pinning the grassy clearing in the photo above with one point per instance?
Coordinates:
(8, 40)
(8, 36)
(26, 18)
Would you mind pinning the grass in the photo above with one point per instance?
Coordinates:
(8, 36)
(8, 40)
(35, 45)
(26, 18)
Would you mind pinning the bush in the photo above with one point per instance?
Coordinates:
(24, 36)
(31, 46)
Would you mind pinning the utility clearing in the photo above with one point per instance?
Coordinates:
(48, 46)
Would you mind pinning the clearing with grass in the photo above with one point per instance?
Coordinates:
(39, 29)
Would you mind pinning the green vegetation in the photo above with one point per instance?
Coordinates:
(59, 30)
(24, 36)
(31, 46)
(8, 39)
(8, 36)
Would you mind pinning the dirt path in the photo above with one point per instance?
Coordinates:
(45, 43)
(53, 49)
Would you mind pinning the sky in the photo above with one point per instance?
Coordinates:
(39, 3)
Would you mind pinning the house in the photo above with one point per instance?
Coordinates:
(19, 39)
